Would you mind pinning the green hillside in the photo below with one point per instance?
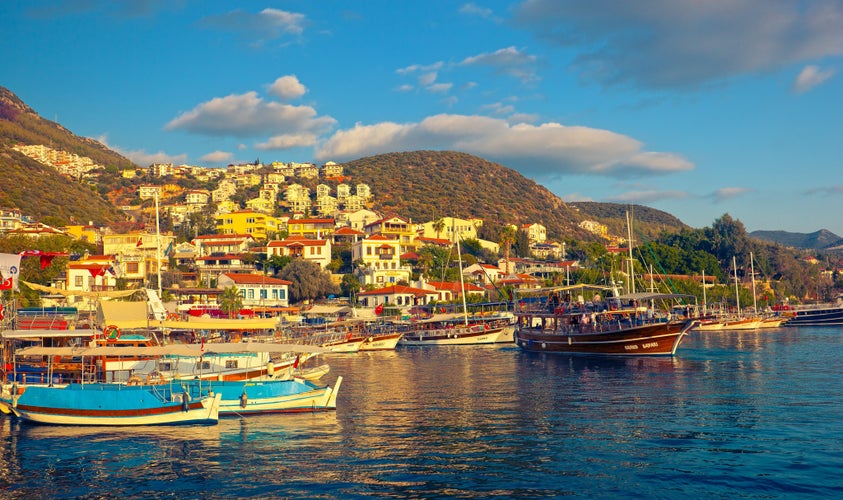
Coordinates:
(38, 190)
(425, 185)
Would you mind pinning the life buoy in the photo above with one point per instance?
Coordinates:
(134, 380)
(172, 317)
(111, 333)
(348, 336)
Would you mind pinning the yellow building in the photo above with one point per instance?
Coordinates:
(261, 226)
(87, 233)
(397, 228)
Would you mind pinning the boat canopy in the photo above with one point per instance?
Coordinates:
(643, 296)
(194, 350)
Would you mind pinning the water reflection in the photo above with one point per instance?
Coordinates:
(729, 414)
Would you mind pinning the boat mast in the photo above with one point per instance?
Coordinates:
(462, 283)
(754, 300)
(631, 276)
(158, 242)
(737, 294)
(705, 300)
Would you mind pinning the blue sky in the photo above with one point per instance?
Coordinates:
(698, 108)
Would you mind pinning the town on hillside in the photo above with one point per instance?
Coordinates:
(248, 221)
(284, 220)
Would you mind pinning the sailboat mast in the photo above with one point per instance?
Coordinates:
(752, 270)
(158, 242)
(705, 300)
(462, 284)
(631, 275)
(737, 294)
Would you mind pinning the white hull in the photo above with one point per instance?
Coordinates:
(319, 399)
(385, 343)
(207, 412)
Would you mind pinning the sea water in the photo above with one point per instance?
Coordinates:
(733, 414)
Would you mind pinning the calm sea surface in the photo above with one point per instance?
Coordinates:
(751, 415)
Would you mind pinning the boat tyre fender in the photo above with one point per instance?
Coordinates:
(244, 400)
(185, 401)
(151, 378)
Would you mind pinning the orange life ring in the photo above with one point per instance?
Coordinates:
(111, 333)
(172, 317)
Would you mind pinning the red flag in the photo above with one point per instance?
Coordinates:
(379, 309)
(296, 362)
(3, 315)
(7, 284)
(140, 241)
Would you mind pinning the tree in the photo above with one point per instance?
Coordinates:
(507, 238)
(309, 281)
(350, 285)
(231, 301)
(438, 226)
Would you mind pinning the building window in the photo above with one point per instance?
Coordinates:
(77, 281)
(132, 267)
(250, 294)
(263, 293)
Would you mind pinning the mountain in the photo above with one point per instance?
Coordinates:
(645, 220)
(38, 190)
(818, 240)
(421, 185)
(426, 185)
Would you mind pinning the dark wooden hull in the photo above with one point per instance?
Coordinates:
(656, 339)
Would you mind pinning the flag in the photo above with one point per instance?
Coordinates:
(379, 309)
(169, 249)
(7, 284)
(140, 242)
(296, 362)
(10, 268)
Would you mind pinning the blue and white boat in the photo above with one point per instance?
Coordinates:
(109, 404)
(256, 396)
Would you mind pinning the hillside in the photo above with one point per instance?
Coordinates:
(818, 240)
(421, 185)
(425, 185)
(39, 191)
(647, 221)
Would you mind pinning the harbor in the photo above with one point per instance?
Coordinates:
(747, 414)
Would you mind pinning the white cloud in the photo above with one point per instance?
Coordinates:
(426, 79)
(404, 88)
(810, 77)
(648, 196)
(439, 87)
(508, 61)
(686, 43)
(475, 10)
(217, 157)
(728, 193)
(141, 157)
(258, 28)
(287, 88)
(248, 115)
(419, 68)
(288, 141)
(544, 151)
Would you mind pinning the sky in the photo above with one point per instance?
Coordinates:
(697, 108)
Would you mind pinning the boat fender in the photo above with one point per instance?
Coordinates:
(185, 401)
(244, 400)
(270, 368)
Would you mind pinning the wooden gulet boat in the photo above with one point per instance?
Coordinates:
(618, 332)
